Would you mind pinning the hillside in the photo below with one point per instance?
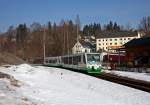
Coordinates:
(7, 58)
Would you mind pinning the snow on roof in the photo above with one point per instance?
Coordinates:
(88, 45)
(55, 86)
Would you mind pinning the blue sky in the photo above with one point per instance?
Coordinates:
(14, 12)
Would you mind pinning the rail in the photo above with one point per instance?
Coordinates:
(130, 82)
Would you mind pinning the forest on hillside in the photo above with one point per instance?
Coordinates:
(27, 42)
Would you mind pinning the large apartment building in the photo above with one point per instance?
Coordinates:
(107, 41)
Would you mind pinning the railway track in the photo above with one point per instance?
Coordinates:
(130, 82)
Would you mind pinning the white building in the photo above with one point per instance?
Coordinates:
(112, 40)
(83, 47)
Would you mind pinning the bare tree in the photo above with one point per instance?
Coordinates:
(145, 24)
(128, 26)
(78, 24)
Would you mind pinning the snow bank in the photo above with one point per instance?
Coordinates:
(23, 68)
(53, 86)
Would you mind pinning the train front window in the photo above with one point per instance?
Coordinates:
(93, 58)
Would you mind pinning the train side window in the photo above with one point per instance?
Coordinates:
(75, 60)
(66, 60)
(79, 58)
(62, 60)
(46, 61)
(84, 59)
(70, 60)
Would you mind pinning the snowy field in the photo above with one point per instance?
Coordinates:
(52, 86)
(135, 75)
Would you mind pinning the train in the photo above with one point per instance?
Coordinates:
(112, 60)
(86, 62)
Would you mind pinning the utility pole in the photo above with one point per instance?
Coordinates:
(67, 41)
(64, 28)
(108, 53)
(44, 37)
(77, 39)
(14, 34)
(77, 33)
(78, 26)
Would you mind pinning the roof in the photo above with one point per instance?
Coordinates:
(88, 45)
(117, 34)
(145, 41)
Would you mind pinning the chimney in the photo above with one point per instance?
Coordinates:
(140, 34)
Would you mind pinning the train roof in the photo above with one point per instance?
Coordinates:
(70, 55)
(80, 54)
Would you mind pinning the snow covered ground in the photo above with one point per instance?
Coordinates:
(40, 85)
(135, 75)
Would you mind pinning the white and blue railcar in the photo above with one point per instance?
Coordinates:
(89, 62)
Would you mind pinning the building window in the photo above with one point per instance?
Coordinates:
(103, 39)
(110, 39)
(103, 43)
(128, 38)
(115, 43)
(124, 38)
(120, 38)
(106, 43)
(106, 47)
(110, 43)
(99, 44)
(99, 40)
(115, 39)
(106, 39)
(121, 43)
